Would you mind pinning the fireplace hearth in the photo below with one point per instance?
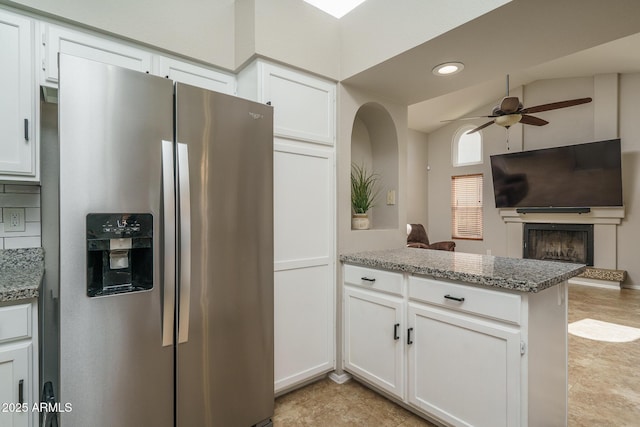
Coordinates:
(558, 242)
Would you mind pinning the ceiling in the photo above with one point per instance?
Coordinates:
(529, 40)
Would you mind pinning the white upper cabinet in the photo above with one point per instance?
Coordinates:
(194, 75)
(57, 39)
(17, 102)
(304, 106)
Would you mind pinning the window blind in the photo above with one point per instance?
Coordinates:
(466, 207)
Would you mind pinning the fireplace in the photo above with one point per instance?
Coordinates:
(558, 242)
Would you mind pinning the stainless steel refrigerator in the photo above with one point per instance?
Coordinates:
(158, 230)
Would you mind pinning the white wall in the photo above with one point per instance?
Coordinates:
(217, 32)
(227, 35)
(201, 30)
(566, 126)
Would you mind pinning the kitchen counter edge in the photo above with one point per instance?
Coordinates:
(524, 275)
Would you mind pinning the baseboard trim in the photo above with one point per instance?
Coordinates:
(339, 378)
(606, 284)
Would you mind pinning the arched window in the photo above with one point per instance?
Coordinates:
(467, 148)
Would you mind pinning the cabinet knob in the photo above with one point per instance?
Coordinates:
(369, 279)
(396, 327)
(459, 299)
(409, 341)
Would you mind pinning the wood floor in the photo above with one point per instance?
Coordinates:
(604, 377)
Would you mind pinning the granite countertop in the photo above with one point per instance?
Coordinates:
(21, 272)
(526, 275)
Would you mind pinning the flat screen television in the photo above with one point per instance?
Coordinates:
(582, 175)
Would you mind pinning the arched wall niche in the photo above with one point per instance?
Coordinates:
(374, 144)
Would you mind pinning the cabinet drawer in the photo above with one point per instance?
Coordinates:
(371, 278)
(15, 322)
(484, 302)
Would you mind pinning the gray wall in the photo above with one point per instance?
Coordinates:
(629, 231)
(417, 178)
(380, 29)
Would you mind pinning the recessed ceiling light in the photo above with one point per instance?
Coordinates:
(337, 8)
(448, 68)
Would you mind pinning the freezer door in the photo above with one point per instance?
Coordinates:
(225, 333)
(114, 369)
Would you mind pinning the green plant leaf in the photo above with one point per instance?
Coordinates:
(364, 188)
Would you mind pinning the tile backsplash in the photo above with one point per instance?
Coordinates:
(25, 197)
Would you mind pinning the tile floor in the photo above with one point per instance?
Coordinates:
(604, 378)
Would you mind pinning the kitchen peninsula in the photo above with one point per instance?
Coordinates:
(464, 339)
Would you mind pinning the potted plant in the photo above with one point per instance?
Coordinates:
(363, 194)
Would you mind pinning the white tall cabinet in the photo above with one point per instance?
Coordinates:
(304, 217)
(18, 160)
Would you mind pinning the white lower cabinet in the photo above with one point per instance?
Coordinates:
(461, 369)
(303, 325)
(18, 365)
(374, 348)
(459, 354)
(14, 383)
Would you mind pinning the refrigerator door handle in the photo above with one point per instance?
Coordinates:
(169, 207)
(185, 242)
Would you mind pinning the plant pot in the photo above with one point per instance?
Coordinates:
(359, 222)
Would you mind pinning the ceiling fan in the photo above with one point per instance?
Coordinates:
(511, 111)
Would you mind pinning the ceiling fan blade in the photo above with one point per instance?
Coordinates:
(555, 105)
(510, 104)
(530, 120)
(480, 127)
(466, 118)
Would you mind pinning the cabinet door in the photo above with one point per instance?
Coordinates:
(463, 370)
(303, 325)
(304, 251)
(62, 40)
(194, 75)
(303, 106)
(14, 371)
(373, 338)
(17, 139)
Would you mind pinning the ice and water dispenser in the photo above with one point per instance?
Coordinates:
(119, 253)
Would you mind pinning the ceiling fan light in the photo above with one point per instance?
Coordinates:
(448, 68)
(508, 120)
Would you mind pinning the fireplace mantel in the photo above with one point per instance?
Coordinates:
(604, 220)
(596, 216)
